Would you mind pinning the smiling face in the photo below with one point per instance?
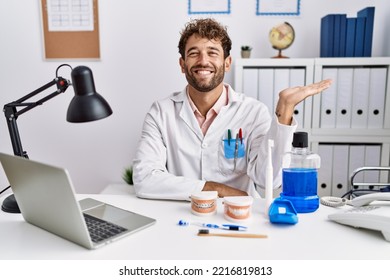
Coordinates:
(204, 64)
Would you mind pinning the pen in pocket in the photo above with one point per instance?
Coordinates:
(236, 152)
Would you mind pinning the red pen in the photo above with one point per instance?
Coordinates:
(240, 135)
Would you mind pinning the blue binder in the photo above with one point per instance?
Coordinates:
(350, 37)
(339, 35)
(359, 36)
(327, 34)
(368, 13)
(343, 34)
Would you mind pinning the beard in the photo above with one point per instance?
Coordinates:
(205, 85)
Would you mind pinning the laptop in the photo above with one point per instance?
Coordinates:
(46, 199)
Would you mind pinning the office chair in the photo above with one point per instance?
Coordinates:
(355, 188)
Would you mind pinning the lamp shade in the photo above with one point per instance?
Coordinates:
(87, 105)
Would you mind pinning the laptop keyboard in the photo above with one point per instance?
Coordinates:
(100, 230)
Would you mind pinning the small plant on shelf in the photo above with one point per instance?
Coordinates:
(246, 48)
(246, 51)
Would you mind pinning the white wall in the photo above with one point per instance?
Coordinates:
(139, 63)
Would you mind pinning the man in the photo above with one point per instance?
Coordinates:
(209, 137)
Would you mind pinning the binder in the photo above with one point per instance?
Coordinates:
(356, 160)
(337, 36)
(350, 37)
(297, 78)
(325, 151)
(377, 96)
(266, 87)
(372, 158)
(249, 82)
(344, 97)
(340, 181)
(368, 13)
(327, 33)
(361, 83)
(328, 100)
(343, 34)
(281, 82)
(359, 36)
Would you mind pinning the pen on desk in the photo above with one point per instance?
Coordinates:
(229, 136)
(206, 232)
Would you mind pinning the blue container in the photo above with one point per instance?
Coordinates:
(300, 169)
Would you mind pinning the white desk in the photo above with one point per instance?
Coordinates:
(314, 237)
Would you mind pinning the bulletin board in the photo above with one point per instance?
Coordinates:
(71, 44)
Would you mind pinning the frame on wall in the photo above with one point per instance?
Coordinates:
(70, 44)
(196, 7)
(278, 7)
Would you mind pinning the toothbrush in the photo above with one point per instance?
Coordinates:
(206, 232)
(269, 178)
(224, 226)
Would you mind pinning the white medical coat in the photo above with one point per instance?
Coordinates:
(175, 159)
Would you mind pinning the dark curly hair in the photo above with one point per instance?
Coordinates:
(206, 28)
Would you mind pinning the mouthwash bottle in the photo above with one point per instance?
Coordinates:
(300, 169)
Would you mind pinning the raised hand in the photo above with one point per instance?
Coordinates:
(290, 97)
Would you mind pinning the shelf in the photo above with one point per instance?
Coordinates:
(347, 137)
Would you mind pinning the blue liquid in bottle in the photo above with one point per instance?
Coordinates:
(300, 187)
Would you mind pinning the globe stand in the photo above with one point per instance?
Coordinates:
(280, 55)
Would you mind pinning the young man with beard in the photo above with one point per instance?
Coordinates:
(209, 137)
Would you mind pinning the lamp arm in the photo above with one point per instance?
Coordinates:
(11, 112)
(62, 85)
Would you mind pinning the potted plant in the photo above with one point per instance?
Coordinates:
(246, 51)
(127, 175)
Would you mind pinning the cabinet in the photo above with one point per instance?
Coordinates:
(348, 124)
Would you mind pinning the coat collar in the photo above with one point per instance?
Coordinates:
(187, 115)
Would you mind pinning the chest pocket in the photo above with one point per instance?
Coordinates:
(232, 156)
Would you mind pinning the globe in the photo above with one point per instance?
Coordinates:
(281, 37)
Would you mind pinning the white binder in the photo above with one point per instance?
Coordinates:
(361, 88)
(340, 181)
(266, 87)
(344, 97)
(281, 82)
(297, 78)
(249, 81)
(372, 158)
(376, 102)
(328, 100)
(325, 152)
(356, 160)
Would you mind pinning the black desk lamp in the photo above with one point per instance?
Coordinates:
(87, 105)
